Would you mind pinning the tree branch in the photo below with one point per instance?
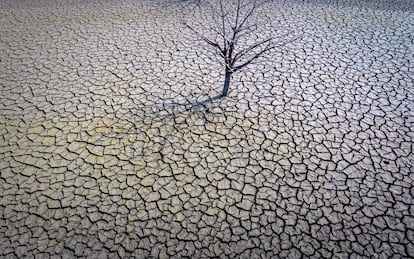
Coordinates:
(253, 58)
(251, 12)
(245, 51)
(210, 42)
(223, 24)
(236, 22)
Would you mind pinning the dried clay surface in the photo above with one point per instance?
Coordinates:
(106, 150)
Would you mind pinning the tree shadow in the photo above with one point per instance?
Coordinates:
(203, 105)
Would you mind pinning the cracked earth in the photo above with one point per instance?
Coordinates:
(106, 151)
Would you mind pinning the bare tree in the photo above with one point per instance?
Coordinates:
(231, 23)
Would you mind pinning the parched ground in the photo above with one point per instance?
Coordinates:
(104, 151)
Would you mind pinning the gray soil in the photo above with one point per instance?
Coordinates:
(105, 150)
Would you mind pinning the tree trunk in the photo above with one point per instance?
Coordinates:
(226, 83)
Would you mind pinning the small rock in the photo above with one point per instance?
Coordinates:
(249, 190)
(223, 184)
(28, 171)
(212, 211)
(153, 196)
(132, 180)
(48, 141)
(121, 252)
(240, 162)
(148, 181)
(35, 130)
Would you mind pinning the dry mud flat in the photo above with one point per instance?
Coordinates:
(102, 153)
